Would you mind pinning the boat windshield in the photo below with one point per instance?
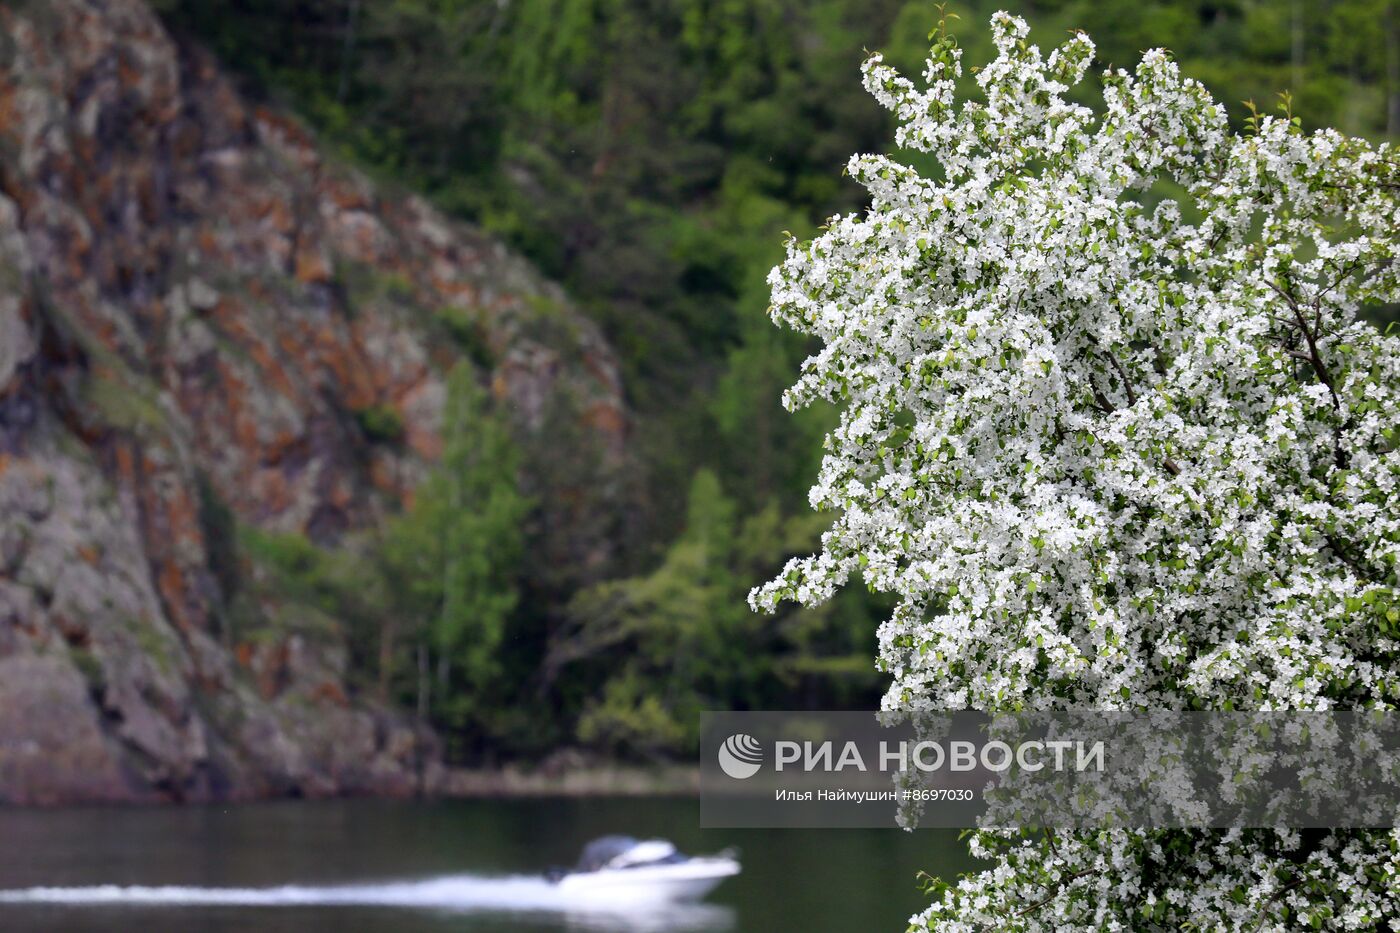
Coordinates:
(624, 852)
(645, 853)
(600, 852)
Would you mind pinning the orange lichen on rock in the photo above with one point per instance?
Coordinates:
(220, 305)
(328, 691)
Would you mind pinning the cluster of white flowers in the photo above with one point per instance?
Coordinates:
(1113, 449)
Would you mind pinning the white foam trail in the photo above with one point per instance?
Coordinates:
(508, 893)
(456, 893)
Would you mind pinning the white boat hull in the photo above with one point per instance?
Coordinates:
(681, 881)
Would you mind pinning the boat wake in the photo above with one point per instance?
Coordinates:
(632, 911)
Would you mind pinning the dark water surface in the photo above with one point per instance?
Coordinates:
(368, 866)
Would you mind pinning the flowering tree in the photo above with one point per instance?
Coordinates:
(1114, 455)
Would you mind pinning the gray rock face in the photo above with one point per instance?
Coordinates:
(52, 746)
(196, 306)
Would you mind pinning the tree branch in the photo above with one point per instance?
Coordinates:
(1264, 911)
(1122, 376)
(1345, 556)
(1051, 896)
(1106, 407)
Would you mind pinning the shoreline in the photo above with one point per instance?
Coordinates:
(581, 781)
(509, 781)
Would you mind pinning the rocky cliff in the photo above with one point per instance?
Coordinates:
(208, 323)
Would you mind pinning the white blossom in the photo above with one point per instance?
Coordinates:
(1114, 451)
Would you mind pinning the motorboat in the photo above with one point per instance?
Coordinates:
(651, 869)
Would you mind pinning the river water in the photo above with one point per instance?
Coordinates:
(415, 867)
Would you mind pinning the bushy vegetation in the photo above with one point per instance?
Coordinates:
(647, 153)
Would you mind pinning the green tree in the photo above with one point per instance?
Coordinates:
(453, 559)
(660, 648)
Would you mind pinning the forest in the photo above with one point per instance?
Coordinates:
(650, 155)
